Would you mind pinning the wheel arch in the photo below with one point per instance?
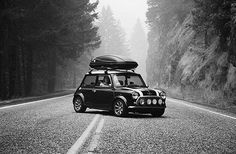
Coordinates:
(120, 97)
(125, 107)
(79, 95)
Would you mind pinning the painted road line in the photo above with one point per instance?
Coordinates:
(183, 102)
(94, 143)
(28, 103)
(79, 143)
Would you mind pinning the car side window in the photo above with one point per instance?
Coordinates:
(89, 81)
(119, 80)
(103, 81)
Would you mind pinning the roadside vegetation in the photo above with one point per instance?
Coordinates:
(192, 50)
(41, 44)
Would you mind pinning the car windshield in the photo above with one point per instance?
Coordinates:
(128, 80)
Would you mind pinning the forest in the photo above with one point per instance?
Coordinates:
(192, 53)
(45, 46)
(115, 40)
(42, 44)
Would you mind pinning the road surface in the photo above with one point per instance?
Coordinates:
(52, 126)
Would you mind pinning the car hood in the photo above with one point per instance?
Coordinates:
(143, 91)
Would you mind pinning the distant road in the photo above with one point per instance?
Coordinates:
(52, 126)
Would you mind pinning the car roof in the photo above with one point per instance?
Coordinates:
(110, 72)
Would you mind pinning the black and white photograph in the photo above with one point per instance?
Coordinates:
(118, 77)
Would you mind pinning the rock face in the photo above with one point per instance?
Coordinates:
(180, 63)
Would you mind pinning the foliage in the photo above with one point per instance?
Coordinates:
(161, 12)
(37, 37)
(213, 15)
(195, 55)
(112, 34)
(138, 47)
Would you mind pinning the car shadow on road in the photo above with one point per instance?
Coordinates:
(130, 115)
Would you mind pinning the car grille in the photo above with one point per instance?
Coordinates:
(149, 93)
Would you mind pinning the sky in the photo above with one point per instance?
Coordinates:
(127, 12)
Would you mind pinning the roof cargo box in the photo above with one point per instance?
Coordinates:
(113, 62)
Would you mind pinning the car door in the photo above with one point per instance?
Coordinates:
(88, 89)
(104, 92)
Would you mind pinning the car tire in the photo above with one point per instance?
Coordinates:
(158, 113)
(120, 108)
(78, 104)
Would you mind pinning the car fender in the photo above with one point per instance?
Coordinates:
(122, 98)
(80, 95)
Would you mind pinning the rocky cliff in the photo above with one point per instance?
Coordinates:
(179, 62)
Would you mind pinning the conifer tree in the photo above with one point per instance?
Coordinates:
(112, 35)
(37, 36)
(212, 16)
(138, 41)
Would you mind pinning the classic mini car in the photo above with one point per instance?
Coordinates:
(113, 85)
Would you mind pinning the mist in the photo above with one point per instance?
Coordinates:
(123, 31)
(48, 48)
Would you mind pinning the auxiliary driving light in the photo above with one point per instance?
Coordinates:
(141, 102)
(149, 101)
(135, 95)
(159, 101)
(154, 101)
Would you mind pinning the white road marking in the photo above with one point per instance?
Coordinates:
(28, 103)
(79, 143)
(94, 142)
(183, 102)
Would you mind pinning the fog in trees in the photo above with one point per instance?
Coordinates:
(138, 47)
(113, 37)
(189, 50)
(192, 51)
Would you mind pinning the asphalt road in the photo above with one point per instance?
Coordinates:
(52, 126)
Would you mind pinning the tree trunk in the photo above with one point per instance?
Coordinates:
(232, 51)
(74, 76)
(51, 70)
(29, 73)
(12, 70)
(22, 68)
(4, 64)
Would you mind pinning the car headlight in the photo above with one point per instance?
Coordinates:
(159, 101)
(154, 101)
(141, 101)
(135, 95)
(162, 95)
(149, 101)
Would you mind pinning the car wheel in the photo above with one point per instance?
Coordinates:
(120, 108)
(79, 105)
(158, 113)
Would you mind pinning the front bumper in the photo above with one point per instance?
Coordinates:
(145, 109)
(160, 102)
(148, 107)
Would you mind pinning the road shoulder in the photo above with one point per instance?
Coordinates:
(201, 106)
(35, 98)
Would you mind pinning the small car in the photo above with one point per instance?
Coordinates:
(120, 91)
